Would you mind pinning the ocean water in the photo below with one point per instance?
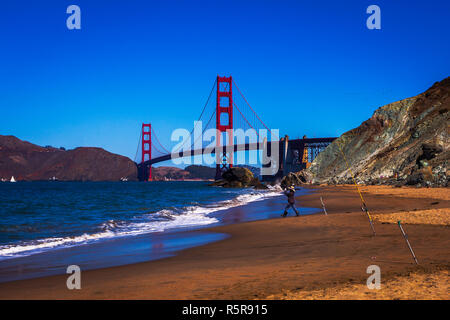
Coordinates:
(38, 217)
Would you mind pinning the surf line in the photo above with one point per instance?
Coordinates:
(364, 206)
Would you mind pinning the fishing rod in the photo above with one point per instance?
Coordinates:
(407, 241)
(364, 206)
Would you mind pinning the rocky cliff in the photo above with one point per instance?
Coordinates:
(27, 161)
(405, 142)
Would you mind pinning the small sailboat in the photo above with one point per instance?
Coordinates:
(12, 179)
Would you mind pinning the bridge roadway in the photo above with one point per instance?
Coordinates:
(237, 147)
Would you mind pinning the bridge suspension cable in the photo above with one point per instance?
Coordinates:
(201, 114)
(153, 146)
(204, 129)
(139, 144)
(245, 118)
(157, 140)
(240, 92)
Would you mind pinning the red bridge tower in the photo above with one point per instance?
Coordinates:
(224, 124)
(147, 148)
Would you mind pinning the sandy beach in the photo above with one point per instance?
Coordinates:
(308, 257)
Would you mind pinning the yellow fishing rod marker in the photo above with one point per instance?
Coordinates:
(364, 206)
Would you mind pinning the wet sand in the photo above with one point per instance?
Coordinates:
(267, 258)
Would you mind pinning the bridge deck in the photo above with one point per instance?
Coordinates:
(237, 147)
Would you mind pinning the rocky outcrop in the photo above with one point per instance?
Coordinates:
(238, 177)
(291, 179)
(255, 170)
(405, 142)
(295, 179)
(27, 161)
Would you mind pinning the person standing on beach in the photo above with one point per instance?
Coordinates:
(290, 193)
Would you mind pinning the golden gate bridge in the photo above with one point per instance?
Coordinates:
(226, 111)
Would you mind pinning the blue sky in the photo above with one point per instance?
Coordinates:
(307, 67)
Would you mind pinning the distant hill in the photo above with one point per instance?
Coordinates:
(169, 173)
(208, 173)
(27, 161)
(193, 172)
(201, 172)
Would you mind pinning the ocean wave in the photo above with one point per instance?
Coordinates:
(166, 219)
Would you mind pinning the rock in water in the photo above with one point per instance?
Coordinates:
(238, 177)
(405, 142)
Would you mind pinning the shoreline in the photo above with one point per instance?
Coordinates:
(263, 258)
(190, 216)
(123, 250)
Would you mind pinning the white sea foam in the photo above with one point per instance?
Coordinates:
(163, 220)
